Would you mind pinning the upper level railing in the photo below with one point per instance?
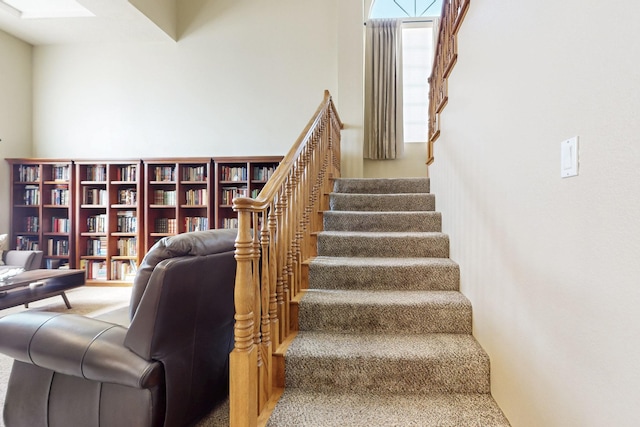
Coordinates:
(274, 238)
(453, 12)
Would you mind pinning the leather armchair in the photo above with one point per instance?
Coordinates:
(168, 367)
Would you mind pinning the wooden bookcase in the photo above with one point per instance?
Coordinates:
(239, 176)
(178, 197)
(109, 218)
(104, 215)
(42, 201)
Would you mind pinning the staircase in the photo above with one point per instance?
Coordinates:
(385, 335)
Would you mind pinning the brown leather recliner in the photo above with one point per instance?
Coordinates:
(168, 367)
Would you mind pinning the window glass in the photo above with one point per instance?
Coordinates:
(405, 8)
(417, 57)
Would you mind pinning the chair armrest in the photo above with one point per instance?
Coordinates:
(29, 260)
(78, 346)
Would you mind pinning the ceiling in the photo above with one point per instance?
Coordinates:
(112, 21)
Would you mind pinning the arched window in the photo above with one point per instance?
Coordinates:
(405, 9)
(419, 26)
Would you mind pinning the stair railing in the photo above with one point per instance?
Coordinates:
(274, 237)
(453, 12)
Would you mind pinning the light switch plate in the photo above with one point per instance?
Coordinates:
(569, 157)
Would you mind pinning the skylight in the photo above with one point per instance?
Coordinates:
(36, 9)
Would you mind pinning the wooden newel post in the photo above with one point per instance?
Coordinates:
(243, 361)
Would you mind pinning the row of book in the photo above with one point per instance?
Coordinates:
(229, 193)
(194, 173)
(97, 247)
(197, 197)
(128, 246)
(263, 173)
(60, 225)
(127, 173)
(29, 173)
(166, 225)
(60, 173)
(127, 196)
(31, 224)
(31, 195)
(120, 270)
(164, 173)
(196, 223)
(233, 173)
(60, 196)
(94, 196)
(127, 222)
(164, 197)
(26, 243)
(97, 223)
(230, 223)
(58, 247)
(96, 173)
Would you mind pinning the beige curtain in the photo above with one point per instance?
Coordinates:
(383, 137)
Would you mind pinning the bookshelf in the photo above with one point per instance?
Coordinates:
(109, 217)
(239, 176)
(177, 197)
(104, 215)
(42, 209)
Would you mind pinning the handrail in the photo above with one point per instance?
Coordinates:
(274, 238)
(446, 55)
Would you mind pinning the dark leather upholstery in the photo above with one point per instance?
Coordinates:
(169, 367)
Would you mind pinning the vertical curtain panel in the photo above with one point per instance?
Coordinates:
(384, 138)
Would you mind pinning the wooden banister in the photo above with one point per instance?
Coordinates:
(274, 231)
(446, 55)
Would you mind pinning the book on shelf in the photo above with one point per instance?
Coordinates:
(194, 173)
(127, 246)
(127, 196)
(123, 270)
(263, 173)
(196, 197)
(127, 173)
(31, 224)
(233, 173)
(26, 243)
(60, 195)
(196, 224)
(31, 195)
(97, 223)
(127, 222)
(96, 173)
(164, 197)
(166, 225)
(94, 196)
(29, 173)
(164, 173)
(60, 225)
(60, 173)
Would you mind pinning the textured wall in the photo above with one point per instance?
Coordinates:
(550, 264)
(15, 112)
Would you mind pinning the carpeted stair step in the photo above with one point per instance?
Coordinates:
(406, 312)
(381, 185)
(384, 273)
(387, 244)
(382, 221)
(310, 408)
(382, 202)
(387, 363)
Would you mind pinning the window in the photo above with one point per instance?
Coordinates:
(417, 57)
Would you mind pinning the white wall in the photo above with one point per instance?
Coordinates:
(15, 112)
(551, 265)
(243, 79)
